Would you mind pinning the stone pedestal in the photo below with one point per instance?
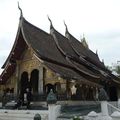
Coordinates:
(104, 108)
(54, 110)
(119, 103)
(51, 108)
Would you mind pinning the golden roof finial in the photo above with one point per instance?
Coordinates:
(83, 35)
(83, 41)
(96, 52)
(103, 61)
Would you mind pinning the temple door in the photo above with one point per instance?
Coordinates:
(24, 84)
(34, 81)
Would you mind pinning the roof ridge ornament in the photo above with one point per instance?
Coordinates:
(96, 52)
(84, 42)
(66, 32)
(103, 61)
(51, 25)
(65, 26)
(21, 13)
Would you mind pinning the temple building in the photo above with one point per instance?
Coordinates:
(43, 61)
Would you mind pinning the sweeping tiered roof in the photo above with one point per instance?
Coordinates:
(65, 56)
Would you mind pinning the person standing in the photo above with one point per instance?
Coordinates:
(29, 97)
(4, 99)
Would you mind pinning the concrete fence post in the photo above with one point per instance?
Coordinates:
(51, 109)
(104, 108)
(119, 103)
(103, 97)
(54, 110)
(104, 111)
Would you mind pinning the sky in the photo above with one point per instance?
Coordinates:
(98, 20)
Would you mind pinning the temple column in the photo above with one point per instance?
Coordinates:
(17, 78)
(29, 81)
(40, 81)
(29, 76)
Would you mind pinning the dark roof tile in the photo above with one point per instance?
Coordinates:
(42, 43)
(82, 51)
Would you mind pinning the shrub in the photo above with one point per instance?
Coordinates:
(76, 118)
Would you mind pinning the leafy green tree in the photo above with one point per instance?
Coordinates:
(115, 68)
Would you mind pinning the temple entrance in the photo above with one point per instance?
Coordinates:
(113, 94)
(79, 92)
(34, 80)
(24, 82)
(49, 87)
(58, 87)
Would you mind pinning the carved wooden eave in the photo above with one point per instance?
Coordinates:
(12, 50)
(69, 52)
(8, 63)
